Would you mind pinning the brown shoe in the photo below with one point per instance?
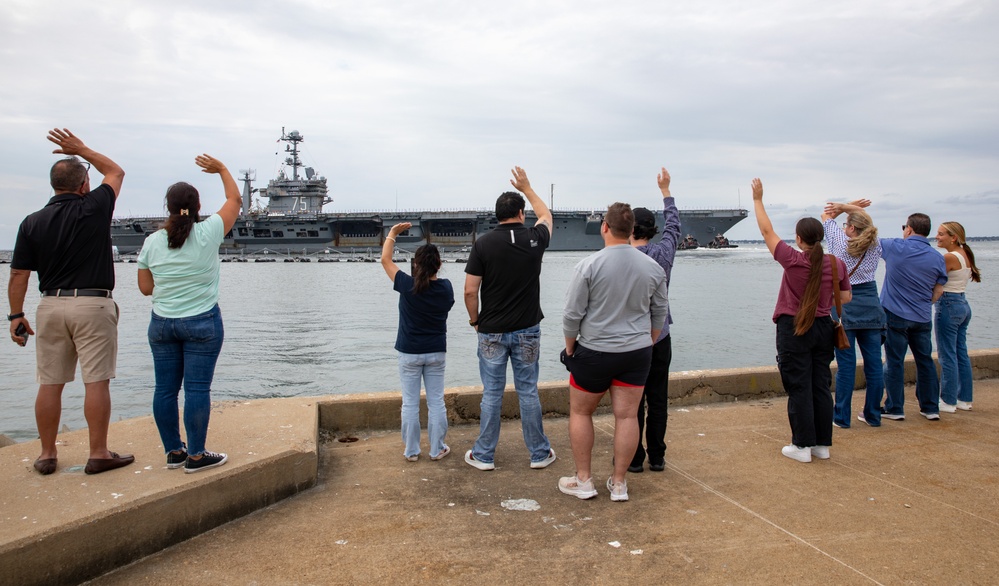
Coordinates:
(98, 465)
(46, 466)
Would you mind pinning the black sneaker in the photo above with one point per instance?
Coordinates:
(206, 461)
(177, 459)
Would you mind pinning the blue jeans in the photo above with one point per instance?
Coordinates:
(869, 342)
(430, 369)
(952, 317)
(522, 348)
(185, 351)
(902, 336)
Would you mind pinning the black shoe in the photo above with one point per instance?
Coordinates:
(206, 461)
(176, 459)
(657, 466)
(637, 469)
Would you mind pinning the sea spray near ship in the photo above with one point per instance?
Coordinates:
(294, 221)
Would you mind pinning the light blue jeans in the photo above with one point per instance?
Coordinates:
(952, 317)
(522, 348)
(429, 368)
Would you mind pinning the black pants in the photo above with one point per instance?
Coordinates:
(657, 395)
(803, 362)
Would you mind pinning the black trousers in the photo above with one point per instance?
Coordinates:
(657, 396)
(803, 362)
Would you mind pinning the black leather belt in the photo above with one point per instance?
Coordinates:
(77, 293)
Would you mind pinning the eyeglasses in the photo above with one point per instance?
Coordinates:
(846, 225)
(86, 176)
(904, 227)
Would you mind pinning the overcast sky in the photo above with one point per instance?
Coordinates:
(414, 105)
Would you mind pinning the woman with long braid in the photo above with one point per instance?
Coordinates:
(804, 330)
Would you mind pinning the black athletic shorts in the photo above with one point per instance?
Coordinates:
(595, 372)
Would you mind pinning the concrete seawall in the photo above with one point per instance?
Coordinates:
(68, 527)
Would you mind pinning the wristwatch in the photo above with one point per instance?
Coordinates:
(472, 323)
(12, 317)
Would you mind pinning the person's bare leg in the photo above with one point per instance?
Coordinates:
(581, 408)
(48, 410)
(625, 403)
(97, 410)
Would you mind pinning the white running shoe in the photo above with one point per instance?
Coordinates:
(574, 486)
(795, 453)
(618, 490)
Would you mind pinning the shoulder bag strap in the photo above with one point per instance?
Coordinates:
(857, 266)
(835, 278)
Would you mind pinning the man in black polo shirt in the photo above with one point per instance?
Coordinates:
(504, 267)
(68, 242)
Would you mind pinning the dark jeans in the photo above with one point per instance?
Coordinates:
(803, 362)
(185, 350)
(657, 395)
(903, 335)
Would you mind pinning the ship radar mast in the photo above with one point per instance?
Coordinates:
(247, 176)
(293, 138)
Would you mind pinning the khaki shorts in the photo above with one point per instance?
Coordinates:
(76, 328)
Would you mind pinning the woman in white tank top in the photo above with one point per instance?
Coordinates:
(952, 317)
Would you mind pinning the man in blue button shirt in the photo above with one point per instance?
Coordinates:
(914, 279)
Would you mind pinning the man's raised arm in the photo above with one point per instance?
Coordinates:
(523, 185)
(69, 144)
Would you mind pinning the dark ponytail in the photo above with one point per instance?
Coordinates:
(809, 230)
(426, 263)
(183, 203)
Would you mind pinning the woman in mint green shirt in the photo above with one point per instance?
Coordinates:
(179, 267)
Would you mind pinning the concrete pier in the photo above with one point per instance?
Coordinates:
(911, 501)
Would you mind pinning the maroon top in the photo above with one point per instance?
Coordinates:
(792, 285)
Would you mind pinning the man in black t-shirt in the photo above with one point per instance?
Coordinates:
(504, 269)
(68, 242)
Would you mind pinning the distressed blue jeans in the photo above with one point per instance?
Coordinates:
(428, 369)
(522, 349)
(952, 318)
(185, 350)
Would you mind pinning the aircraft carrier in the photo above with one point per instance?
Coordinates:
(294, 222)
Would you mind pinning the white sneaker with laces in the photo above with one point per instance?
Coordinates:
(795, 453)
(572, 485)
(618, 490)
(820, 452)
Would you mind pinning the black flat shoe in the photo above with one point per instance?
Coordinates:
(657, 467)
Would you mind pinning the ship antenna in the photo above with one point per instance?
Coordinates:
(247, 176)
(294, 138)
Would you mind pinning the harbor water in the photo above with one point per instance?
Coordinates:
(306, 329)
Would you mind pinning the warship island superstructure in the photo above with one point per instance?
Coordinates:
(294, 220)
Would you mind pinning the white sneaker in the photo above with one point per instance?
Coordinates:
(964, 406)
(795, 453)
(546, 462)
(574, 486)
(930, 416)
(477, 464)
(945, 408)
(820, 452)
(618, 490)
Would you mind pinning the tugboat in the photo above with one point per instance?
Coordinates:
(688, 243)
(721, 242)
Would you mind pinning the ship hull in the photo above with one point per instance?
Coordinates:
(452, 230)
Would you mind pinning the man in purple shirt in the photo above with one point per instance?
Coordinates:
(657, 385)
(914, 279)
